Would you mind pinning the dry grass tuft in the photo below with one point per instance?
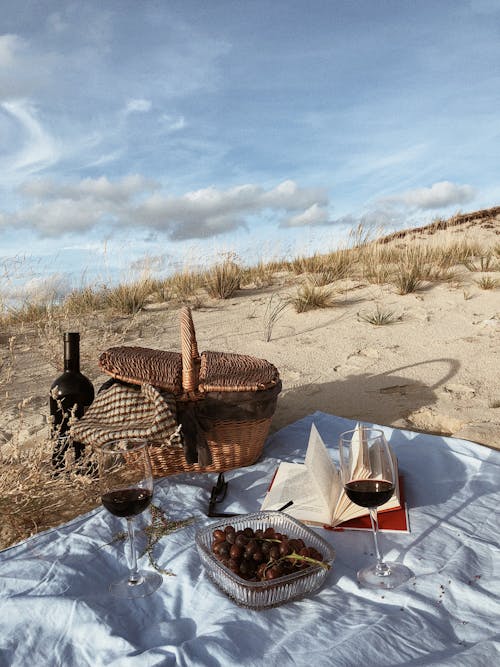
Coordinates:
(223, 280)
(261, 275)
(408, 278)
(83, 301)
(310, 297)
(484, 262)
(379, 317)
(274, 310)
(184, 285)
(32, 499)
(487, 282)
(129, 299)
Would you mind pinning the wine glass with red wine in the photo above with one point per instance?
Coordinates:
(369, 481)
(126, 484)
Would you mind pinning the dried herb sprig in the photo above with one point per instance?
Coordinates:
(159, 527)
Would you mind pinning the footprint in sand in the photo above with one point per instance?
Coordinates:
(459, 391)
(359, 360)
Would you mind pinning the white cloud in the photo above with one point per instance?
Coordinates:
(138, 105)
(314, 215)
(211, 211)
(439, 195)
(38, 147)
(100, 189)
(174, 123)
(135, 202)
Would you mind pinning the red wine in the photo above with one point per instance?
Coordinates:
(70, 395)
(369, 492)
(127, 502)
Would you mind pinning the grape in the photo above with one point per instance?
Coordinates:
(241, 540)
(219, 535)
(263, 554)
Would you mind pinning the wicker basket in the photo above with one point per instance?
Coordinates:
(233, 397)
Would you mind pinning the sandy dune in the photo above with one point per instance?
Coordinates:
(437, 368)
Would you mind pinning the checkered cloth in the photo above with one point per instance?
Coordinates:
(123, 411)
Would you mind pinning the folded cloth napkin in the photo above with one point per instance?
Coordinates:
(124, 411)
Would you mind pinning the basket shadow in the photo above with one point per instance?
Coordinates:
(384, 398)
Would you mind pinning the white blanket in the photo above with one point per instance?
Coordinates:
(55, 608)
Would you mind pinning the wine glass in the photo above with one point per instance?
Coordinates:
(369, 479)
(126, 484)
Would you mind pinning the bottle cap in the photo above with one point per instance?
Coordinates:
(71, 336)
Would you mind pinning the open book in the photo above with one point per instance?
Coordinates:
(315, 486)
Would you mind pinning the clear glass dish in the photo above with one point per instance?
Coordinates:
(262, 594)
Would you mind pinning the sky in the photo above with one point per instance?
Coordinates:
(162, 134)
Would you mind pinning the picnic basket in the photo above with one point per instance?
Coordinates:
(231, 398)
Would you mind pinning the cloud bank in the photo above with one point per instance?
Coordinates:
(135, 202)
(439, 195)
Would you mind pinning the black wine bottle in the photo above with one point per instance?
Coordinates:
(70, 395)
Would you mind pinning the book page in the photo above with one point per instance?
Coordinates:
(359, 460)
(293, 481)
(321, 466)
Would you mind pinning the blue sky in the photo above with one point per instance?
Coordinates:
(163, 133)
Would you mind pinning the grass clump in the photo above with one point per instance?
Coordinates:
(261, 275)
(28, 313)
(484, 263)
(274, 310)
(487, 282)
(129, 298)
(223, 280)
(85, 300)
(379, 317)
(311, 297)
(313, 264)
(183, 285)
(407, 279)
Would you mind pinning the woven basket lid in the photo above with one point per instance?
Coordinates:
(139, 365)
(224, 371)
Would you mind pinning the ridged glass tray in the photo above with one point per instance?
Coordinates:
(262, 594)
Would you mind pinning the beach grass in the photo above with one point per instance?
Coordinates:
(406, 267)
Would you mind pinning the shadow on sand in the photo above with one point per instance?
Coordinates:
(383, 398)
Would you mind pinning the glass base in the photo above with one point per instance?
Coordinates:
(392, 576)
(147, 583)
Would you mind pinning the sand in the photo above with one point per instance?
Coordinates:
(435, 369)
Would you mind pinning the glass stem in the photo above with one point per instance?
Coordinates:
(381, 569)
(134, 577)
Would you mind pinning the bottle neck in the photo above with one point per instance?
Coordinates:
(72, 352)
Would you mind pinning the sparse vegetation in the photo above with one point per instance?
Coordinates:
(274, 310)
(485, 262)
(310, 296)
(486, 283)
(183, 286)
(380, 316)
(407, 279)
(129, 299)
(223, 280)
(408, 266)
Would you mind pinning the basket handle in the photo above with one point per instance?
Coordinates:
(190, 355)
